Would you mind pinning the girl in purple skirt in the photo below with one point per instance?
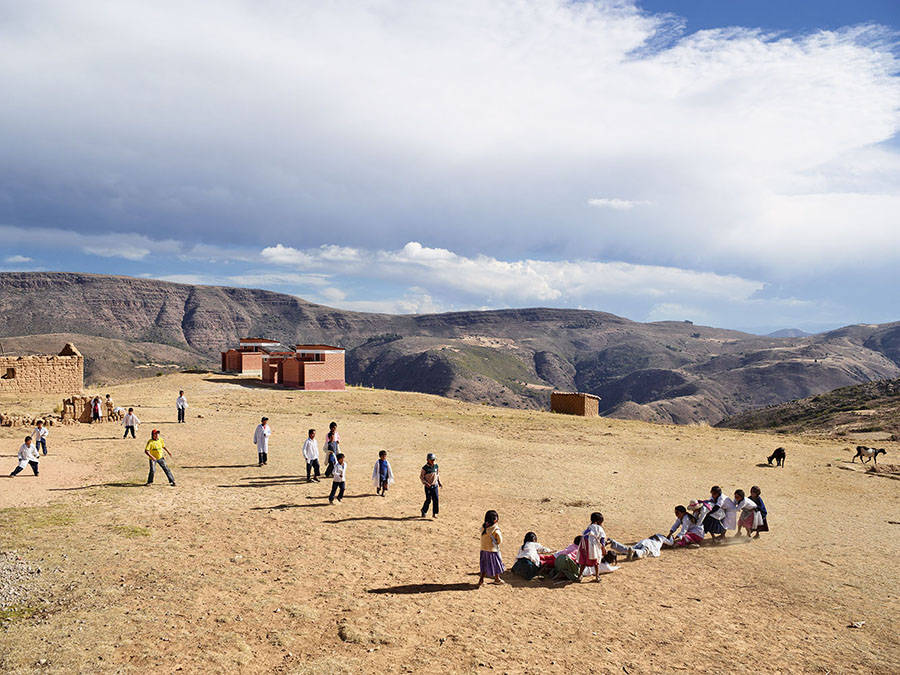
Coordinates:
(491, 562)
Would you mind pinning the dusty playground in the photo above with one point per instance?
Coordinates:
(247, 569)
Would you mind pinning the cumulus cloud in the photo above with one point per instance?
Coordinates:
(615, 203)
(480, 127)
(17, 259)
(545, 151)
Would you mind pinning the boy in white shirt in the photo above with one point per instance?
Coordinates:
(311, 455)
(28, 455)
(130, 422)
(181, 405)
(339, 476)
(40, 436)
(261, 439)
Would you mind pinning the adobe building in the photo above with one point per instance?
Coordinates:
(62, 373)
(312, 367)
(248, 357)
(575, 403)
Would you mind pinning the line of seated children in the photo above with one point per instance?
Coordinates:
(592, 554)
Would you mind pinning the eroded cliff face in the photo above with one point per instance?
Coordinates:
(666, 371)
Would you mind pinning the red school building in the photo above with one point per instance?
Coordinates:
(301, 367)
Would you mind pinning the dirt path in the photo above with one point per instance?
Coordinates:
(250, 570)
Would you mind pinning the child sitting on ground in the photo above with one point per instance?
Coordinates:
(382, 475)
(528, 560)
(566, 564)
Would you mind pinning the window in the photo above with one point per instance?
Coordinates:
(10, 374)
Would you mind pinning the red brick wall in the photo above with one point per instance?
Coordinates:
(327, 374)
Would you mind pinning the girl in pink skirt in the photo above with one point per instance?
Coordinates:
(491, 563)
(691, 533)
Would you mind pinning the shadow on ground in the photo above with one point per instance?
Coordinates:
(97, 485)
(415, 589)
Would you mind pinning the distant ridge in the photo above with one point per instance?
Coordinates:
(669, 371)
(788, 333)
(869, 410)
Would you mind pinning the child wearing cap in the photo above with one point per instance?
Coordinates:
(154, 451)
(432, 481)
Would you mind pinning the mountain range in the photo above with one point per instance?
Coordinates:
(665, 371)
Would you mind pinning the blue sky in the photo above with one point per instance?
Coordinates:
(735, 163)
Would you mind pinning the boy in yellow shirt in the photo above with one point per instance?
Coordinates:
(154, 450)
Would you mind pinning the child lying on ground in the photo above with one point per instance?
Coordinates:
(645, 547)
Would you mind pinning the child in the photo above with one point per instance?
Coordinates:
(528, 559)
(749, 516)
(382, 475)
(181, 406)
(712, 521)
(651, 546)
(311, 455)
(593, 546)
(154, 450)
(332, 447)
(431, 480)
(691, 533)
(130, 421)
(330, 461)
(27, 455)
(490, 563)
(39, 435)
(608, 563)
(755, 495)
(566, 564)
(339, 478)
(261, 439)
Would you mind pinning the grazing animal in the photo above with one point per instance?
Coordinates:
(865, 454)
(778, 456)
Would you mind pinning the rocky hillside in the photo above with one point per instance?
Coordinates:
(665, 371)
(870, 410)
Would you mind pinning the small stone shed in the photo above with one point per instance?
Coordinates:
(575, 403)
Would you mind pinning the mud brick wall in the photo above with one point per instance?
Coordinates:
(41, 374)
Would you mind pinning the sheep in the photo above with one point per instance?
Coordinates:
(865, 454)
(778, 456)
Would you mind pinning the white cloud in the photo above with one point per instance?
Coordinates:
(112, 250)
(615, 204)
(17, 259)
(454, 123)
(269, 279)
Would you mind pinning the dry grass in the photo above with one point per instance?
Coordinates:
(249, 570)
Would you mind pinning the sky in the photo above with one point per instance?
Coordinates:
(731, 162)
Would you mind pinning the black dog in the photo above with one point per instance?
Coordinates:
(778, 456)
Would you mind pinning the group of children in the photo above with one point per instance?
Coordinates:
(336, 466)
(30, 451)
(592, 553)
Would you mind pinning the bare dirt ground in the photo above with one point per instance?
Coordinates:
(242, 569)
